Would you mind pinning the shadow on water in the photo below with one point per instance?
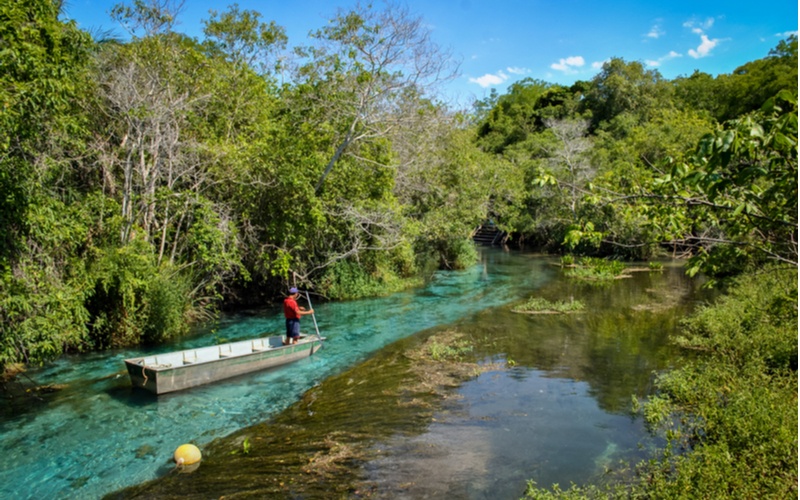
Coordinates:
(549, 400)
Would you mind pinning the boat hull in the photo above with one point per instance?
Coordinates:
(180, 370)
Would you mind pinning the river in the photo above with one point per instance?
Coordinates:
(560, 412)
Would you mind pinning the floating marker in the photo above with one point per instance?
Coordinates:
(187, 454)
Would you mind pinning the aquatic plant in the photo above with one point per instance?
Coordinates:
(539, 305)
(454, 351)
(593, 269)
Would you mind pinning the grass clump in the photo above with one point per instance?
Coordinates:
(538, 305)
(597, 270)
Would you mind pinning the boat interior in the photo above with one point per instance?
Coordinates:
(212, 353)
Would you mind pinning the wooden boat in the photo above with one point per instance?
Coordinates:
(174, 371)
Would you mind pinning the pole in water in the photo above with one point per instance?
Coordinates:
(308, 298)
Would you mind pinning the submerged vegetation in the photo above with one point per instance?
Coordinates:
(300, 454)
(453, 352)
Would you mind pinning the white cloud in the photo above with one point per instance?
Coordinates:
(518, 71)
(657, 62)
(699, 27)
(786, 34)
(655, 32)
(569, 64)
(704, 48)
(489, 79)
(599, 64)
(706, 44)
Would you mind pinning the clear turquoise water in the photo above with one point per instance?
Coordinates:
(99, 435)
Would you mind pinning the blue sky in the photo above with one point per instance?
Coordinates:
(502, 41)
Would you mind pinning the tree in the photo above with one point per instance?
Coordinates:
(624, 88)
(42, 69)
(752, 84)
(43, 225)
(569, 160)
(734, 200)
(363, 66)
(248, 43)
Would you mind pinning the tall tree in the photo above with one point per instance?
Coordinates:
(43, 64)
(43, 70)
(625, 88)
(364, 64)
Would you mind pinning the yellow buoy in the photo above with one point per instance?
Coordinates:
(187, 454)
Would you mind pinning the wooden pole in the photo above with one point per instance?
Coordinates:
(308, 298)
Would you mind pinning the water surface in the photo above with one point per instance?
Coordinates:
(551, 403)
(98, 435)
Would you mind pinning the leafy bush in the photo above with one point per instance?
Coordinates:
(457, 253)
(348, 279)
(166, 303)
(133, 301)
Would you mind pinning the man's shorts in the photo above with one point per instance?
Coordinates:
(292, 328)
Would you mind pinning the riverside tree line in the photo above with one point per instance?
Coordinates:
(151, 181)
(148, 182)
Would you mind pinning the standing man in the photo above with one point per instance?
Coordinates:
(293, 312)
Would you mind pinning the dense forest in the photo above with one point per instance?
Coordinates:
(150, 182)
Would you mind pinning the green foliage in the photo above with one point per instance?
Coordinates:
(41, 71)
(737, 403)
(585, 234)
(40, 317)
(754, 83)
(166, 306)
(625, 88)
(243, 38)
(349, 279)
(515, 116)
(574, 492)
(740, 187)
(457, 253)
(133, 301)
(42, 310)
